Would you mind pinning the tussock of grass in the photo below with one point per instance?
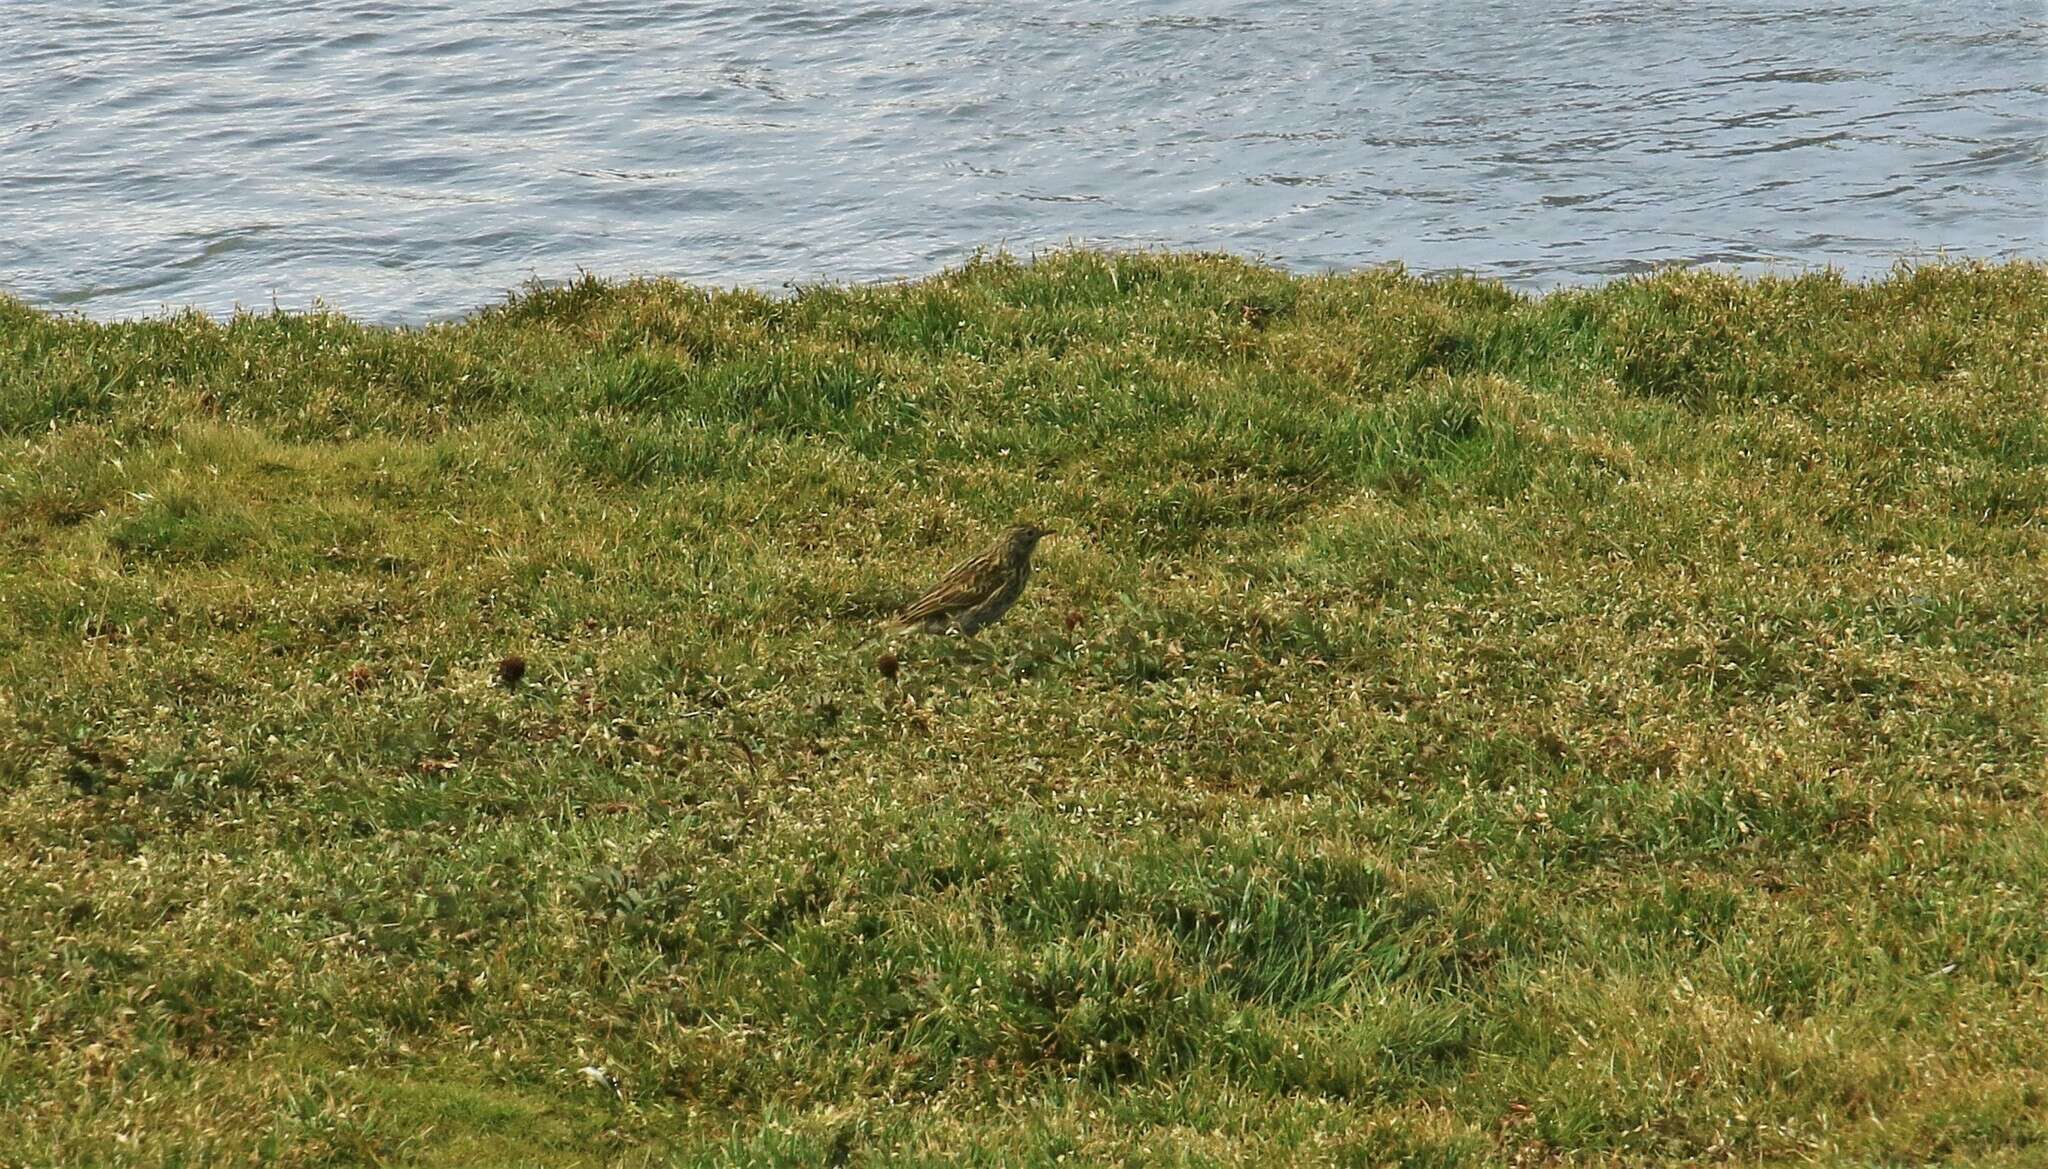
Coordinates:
(1452, 728)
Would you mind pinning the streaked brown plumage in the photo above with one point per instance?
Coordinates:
(980, 589)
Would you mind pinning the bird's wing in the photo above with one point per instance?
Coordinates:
(950, 594)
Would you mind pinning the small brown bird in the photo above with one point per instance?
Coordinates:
(980, 589)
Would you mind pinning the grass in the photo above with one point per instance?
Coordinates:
(1453, 728)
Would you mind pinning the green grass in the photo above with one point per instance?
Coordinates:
(1452, 728)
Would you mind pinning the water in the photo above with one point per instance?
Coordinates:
(407, 161)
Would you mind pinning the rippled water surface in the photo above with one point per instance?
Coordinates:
(409, 161)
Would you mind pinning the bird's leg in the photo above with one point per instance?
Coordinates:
(965, 645)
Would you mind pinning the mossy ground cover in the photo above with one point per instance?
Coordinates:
(1452, 728)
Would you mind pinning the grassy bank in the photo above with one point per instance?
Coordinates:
(1451, 728)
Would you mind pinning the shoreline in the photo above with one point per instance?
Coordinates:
(1870, 271)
